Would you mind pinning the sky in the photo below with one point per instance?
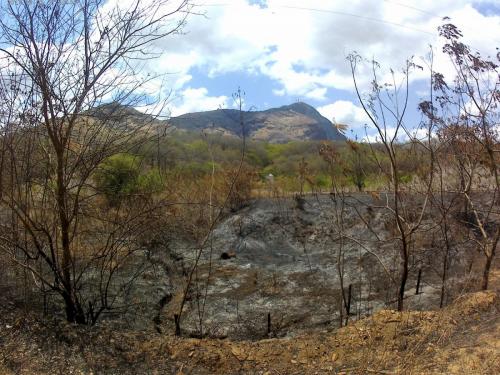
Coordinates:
(283, 51)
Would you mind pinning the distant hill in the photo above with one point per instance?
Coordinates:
(295, 122)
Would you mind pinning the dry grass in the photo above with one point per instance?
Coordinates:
(388, 342)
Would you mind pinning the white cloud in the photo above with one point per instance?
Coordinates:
(317, 93)
(195, 100)
(303, 45)
(345, 112)
(372, 136)
(352, 115)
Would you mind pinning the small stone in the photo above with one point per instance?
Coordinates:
(238, 353)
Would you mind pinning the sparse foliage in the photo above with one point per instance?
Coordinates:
(59, 62)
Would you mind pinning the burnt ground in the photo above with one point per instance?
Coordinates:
(284, 263)
(463, 338)
(280, 257)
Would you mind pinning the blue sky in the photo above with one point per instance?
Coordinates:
(282, 51)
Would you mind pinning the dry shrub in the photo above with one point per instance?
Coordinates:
(197, 200)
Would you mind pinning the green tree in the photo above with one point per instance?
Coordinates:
(122, 175)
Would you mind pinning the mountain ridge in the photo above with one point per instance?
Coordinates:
(294, 122)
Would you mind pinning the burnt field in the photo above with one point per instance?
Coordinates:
(284, 259)
(277, 268)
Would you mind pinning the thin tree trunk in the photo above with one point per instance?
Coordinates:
(487, 267)
(74, 314)
(404, 278)
(443, 279)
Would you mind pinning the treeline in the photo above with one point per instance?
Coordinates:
(293, 165)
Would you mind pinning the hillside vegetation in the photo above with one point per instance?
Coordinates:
(292, 164)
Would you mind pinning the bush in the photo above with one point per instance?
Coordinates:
(121, 175)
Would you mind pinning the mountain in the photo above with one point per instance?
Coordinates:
(118, 114)
(295, 122)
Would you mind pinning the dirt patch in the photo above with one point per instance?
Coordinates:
(388, 342)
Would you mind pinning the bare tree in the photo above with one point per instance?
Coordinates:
(470, 126)
(235, 183)
(60, 61)
(386, 106)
